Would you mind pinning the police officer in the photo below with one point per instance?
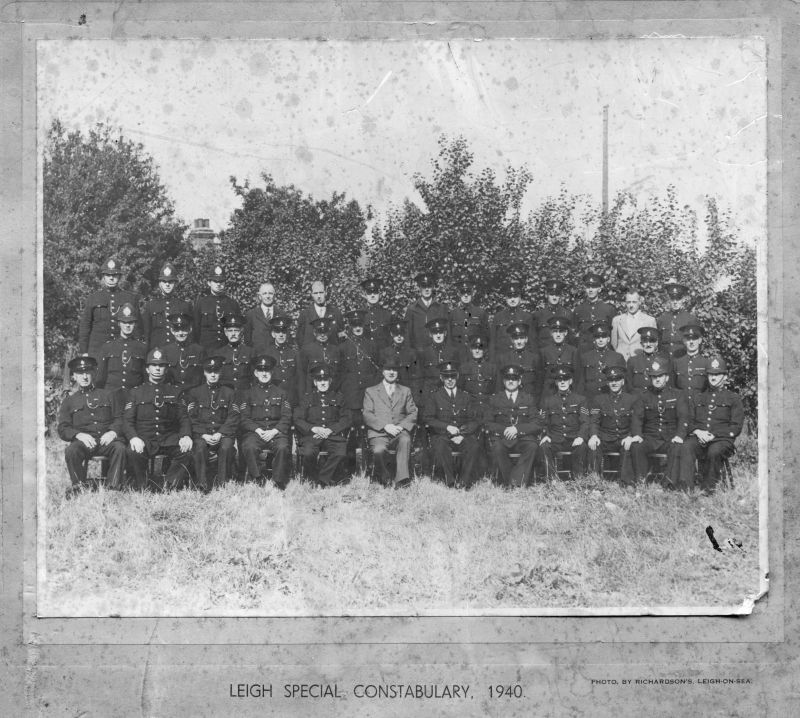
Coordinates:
(638, 364)
(423, 310)
(184, 358)
(691, 369)
(236, 355)
(512, 425)
(675, 317)
(553, 308)
(453, 423)
(121, 360)
(322, 419)
(264, 420)
(377, 316)
(526, 358)
(565, 419)
(91, 420)
(99, 317)
(467, 318)
(210, 308)
(156, 311)
(430, 357)
(593, 362)
(591, 311)
(558, 353)
(359, 363)
(319, 308)
(479, 376)
(660, 423)
(321, 351)
(286, 372)
(610, 418)
(212, 411)
(512, 313)
(718, 420)
(155, 422)
(404, 356)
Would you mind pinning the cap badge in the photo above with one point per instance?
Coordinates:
(111, 264)
(126, 311)
(217, 270)
(715, 364)
(156, 354)
(167, 271)
(656, 366)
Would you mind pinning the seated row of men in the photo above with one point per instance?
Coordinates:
(356, 360)
(188, 426)
(102, 311)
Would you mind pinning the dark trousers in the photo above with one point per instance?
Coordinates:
(201, 454)
(577, 456)
(379, 445)
(626, 472)
(336, 446)
(710, 458)
(252, 444)
(443, 447)
(521, 473)
(657, 445)
(177, 473)
(77, 457)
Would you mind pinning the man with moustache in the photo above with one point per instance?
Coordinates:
(91, 421)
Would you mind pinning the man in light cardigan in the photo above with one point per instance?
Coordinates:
(390, 414)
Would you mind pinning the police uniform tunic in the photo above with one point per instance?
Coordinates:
(121, 364)
(212, 409)
(468, 320)
(587, 314)
(99, 322)
(375, 321)
(691, 374)
(154, 319)
(236, 371)
(590, 376)
(286, 373)
(637, 380)
(543, 316)
(185, 368)
(155, 414)
(305, 326)
(670, 324)
(531, 364)
(479, 379)
(266, 406)
(317, 353)
(441, 410)
(658, 417)
(499, 340)
(720, 412)
(500, 413)
(428, 366)
(330, 411)
(359, 370)
(611, 417)
(209, 309)
(555, 355)
(417, 316)
(92, 411)
(565, 417)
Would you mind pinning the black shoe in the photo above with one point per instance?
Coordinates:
(402, 484)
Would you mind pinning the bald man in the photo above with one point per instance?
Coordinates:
(319, 308)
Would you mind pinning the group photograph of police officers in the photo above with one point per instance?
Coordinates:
(173, 393)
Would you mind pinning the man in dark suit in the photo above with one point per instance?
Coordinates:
(512, 423)
(319, 308)
(322, 418)
(390, 414)
(257, 326)
(91, 420)
(450, 415)
(718, 420)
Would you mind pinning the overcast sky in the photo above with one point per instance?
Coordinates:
(362, 117)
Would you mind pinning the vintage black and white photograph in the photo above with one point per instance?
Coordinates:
(412, 327)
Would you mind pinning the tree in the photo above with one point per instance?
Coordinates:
(102, 197)
(288, 238)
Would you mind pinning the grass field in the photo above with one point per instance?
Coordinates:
(359, 548)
